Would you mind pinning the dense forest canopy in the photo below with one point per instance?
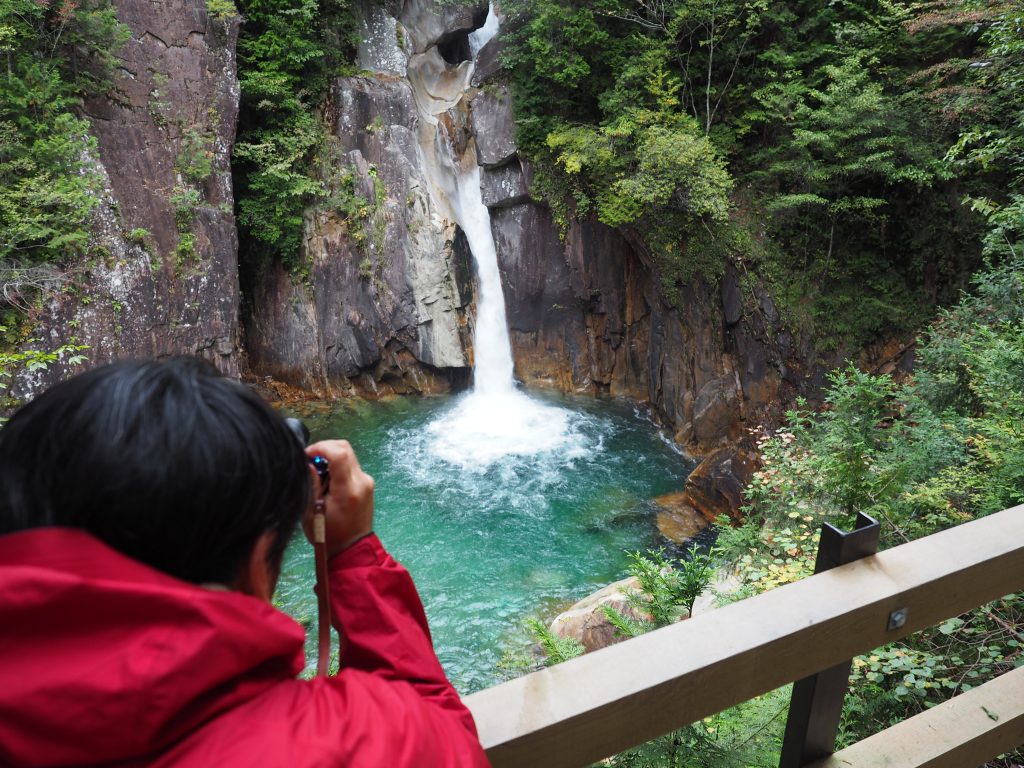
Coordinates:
(842, 150)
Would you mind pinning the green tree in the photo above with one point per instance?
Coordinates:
(56, 54)
(849, 145)
(668, 589)
(287, 52)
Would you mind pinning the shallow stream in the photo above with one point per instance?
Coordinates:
(490, 539)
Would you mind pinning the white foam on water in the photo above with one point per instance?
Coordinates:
(484, 428)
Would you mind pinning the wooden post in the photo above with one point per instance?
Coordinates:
(817, 702)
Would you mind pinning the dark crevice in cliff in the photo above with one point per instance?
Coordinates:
(454, 48)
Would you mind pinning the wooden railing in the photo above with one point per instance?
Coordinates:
(604, 702)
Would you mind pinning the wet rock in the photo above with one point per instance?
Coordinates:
(488, 63)
(436, 85)
(677, 521)
(507, 185)
(771, 314)
(716, 415)
(586, 621)
(715, 487)
(429, 23)
(493, 127)
(732, 298)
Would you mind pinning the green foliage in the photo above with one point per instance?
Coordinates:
(832, 124)
(745, 736)
(221, 10)
(992, 141)
(30, 360)
(941, 449)
(902, 679)
(642, 165)
(287, 52)
(138, 235)
(55, 53)
(195, 160)
(668, 590)
(849, 143)
(556, 649)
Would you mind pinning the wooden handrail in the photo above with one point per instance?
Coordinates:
(986, 721)
(607, 701)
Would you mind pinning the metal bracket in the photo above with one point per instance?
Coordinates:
(817, 702)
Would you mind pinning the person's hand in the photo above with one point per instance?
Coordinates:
(349, 501)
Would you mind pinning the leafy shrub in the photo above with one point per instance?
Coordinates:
(668, 589)
(942, 449)
(555, 649)
(32, 360)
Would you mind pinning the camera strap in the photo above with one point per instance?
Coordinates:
(322, 589)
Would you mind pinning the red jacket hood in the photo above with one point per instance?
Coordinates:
(89, 637)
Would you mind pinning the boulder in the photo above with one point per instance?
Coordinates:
(716, 411)
(586, 622)
(715, 487)
(677, 521)
(494, 127)
(507, 185)
(488, 61)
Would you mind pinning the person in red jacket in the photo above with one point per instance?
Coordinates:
(144, 511)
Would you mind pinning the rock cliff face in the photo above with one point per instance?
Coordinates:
(387, 305)
(389, 300)
(384, 308)
(586, 313)
(162, 274)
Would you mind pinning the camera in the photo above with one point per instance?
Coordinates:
(319, 463)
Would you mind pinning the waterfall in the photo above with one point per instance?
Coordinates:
(479, 38)
(492, 372)
(493, 420)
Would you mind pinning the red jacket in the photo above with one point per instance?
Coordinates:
(105, 661)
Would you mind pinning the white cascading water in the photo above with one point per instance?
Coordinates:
(494, 419)
(492, 374)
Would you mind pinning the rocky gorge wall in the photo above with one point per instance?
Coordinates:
(387, 301)
(386, 307)
(585, 312)
(161, 276)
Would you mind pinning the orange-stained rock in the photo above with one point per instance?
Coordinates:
(677, 520)
(715, 487)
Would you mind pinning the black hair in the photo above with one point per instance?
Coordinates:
(166, 461)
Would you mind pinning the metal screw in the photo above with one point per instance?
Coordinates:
(897, 619)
